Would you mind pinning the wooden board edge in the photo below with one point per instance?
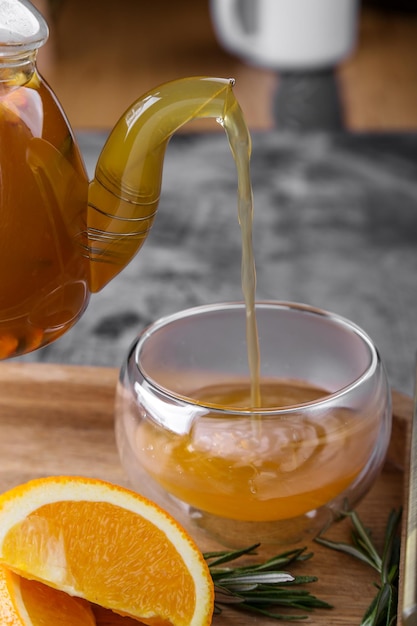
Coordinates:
(398, 453)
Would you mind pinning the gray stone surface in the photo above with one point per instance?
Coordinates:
(335, 226)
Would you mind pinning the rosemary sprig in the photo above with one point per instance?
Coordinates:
(262, 586)
(383, 609)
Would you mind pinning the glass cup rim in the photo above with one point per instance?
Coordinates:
(274, 304)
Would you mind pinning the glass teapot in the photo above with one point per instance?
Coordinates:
(62, 236)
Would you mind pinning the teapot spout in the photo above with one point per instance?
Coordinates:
(124, 194)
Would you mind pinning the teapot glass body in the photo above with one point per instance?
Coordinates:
(44, 190)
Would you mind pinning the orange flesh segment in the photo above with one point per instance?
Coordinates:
(30, 603)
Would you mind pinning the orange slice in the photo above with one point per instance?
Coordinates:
(30, 603)
(109, 545)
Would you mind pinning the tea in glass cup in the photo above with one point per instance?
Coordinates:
(190, 439)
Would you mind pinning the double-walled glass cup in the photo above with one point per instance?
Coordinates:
(190, 440)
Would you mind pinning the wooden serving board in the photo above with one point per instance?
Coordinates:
(57, 419)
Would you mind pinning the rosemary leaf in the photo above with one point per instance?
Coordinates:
(391, 551)
(257, 578)
(340, 546)
(364, 539)
(225, 557)
(224, 596)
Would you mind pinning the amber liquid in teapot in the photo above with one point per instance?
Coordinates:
(43, 275)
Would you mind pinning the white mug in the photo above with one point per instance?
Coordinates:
(287, 34)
